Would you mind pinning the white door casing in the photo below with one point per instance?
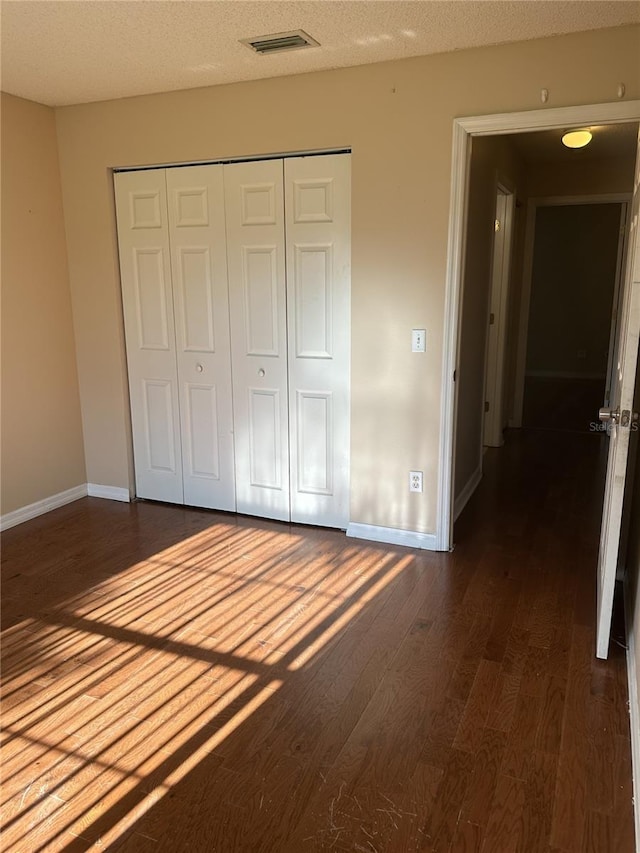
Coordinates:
(318, 221)
(145, 270)
(622, 392)
(197, 241)
(257, 301)
(463, 130)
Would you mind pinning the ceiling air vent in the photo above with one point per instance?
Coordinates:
(277, 42)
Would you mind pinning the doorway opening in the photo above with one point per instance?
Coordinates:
(531, 161)
(465, 130)
(571, 277)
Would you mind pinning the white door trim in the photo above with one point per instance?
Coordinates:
(463, 129)
(533, 204)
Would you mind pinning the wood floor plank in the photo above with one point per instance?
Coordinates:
(442, 824)
(522, 737)
(549, 731)
(484, 777)
(477, 708)
(623, 818)
(505, 822)
(468, 838)
(598, 832)
(502, 711)
(573, 766)
(537, 813)
(502, 624)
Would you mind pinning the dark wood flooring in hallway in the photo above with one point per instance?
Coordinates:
(180, 680)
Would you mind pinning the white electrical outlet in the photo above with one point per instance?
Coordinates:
(415, 481)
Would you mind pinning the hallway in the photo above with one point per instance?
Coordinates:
(182, 680)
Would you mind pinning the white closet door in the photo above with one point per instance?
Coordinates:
(145, 270)
(255, 254)
(318, 224)
(195, 196)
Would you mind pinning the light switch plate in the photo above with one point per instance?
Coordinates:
(418, 340)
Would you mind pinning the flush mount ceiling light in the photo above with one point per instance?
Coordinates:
(577, 138)
(278, 42)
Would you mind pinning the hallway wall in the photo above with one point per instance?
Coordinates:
(490, 156)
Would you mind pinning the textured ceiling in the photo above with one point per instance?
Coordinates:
(59, 52)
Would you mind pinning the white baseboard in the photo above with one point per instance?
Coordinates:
(18, 516)
(634, 706)
(111, 493)
(25, 513)
(392, 536)
(465, 495)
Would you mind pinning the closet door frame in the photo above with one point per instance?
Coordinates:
(340, 517)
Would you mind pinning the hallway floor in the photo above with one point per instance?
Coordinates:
(182, 680)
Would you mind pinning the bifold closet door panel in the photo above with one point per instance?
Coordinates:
(318, 225)
(257, 297)
(197, 239)
(145, 269)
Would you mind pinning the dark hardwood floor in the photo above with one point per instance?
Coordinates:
(180, 680)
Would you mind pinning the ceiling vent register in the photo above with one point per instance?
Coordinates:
(278, 42)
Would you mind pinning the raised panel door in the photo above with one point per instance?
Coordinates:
(621, 422)
(145, 269)
(318, 218)
(257, 300)
(195, 197)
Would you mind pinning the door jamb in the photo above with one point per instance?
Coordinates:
(463, 129)
(623, 245)
(492, 436)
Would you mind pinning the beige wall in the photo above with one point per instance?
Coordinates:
(42, 451)
(397, 118)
